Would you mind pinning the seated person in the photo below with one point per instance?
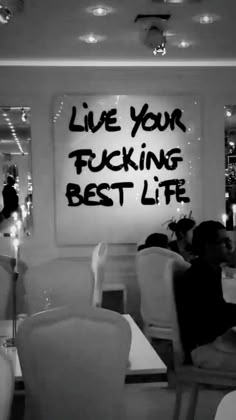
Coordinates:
(205, 319)
(10, 198)
(155, 239)
(183, 230)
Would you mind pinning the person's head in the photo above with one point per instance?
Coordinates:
(211, 241)
(10, 180)
(157, 239)
(183, 229)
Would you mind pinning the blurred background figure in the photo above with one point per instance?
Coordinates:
(155, 239)
(10, 198)
(183, 230)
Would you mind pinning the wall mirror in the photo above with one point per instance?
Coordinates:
(230, 166)
(15, 170)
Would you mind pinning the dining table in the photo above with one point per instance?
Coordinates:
(145, 365)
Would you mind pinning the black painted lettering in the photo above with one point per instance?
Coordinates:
(142, 158)
(111, 120)
(105, 201)
(73, 195)
(101, 165)
(95, 127)
(108, 161)
(127, 159)
(79, 162)
(88, 193)
(120, 186)
(72, 126)
(172, 161)
(146, 200)
(137, 118)
(175, 120)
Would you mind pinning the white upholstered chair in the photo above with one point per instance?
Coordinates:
(6, 386)
(227, 407)
(56, 283)
(99, 256)
(6, 273)
(74, 362)
(153, 273)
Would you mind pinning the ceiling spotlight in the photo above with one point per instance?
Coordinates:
(100, 10)
(184, 44)
(155, 39)
(5, 14)
(91, 38)
(206, 18)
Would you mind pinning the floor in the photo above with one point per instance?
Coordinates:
(149, 402)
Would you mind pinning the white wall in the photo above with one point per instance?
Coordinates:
(36, 87)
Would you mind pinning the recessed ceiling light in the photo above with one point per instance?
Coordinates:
(92, 38)
(100, 10)
(184, 44)
(206, 18)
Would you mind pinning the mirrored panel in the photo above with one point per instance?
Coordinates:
(230, 166)
(15, 170)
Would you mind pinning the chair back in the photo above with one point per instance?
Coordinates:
(74, 362)
(227, 407)
(152, 268)
(6, 386)
(99, 257)
(6, 277)
(56, 283)
(176, 269)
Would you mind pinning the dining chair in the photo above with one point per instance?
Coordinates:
(6, 386)
(99, 257)
(73, 363)
(57, 282)
(6, 278)
(153, 271)
(187, 374)
(227, 407)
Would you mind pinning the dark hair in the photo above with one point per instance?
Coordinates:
(205, 233)
(182, 226)
(10, 180)
(155, 239)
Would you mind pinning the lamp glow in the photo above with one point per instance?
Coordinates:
(234, 215)
(224, 218)
(13, 231)
(18, 224)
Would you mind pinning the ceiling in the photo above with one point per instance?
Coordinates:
(47, 32)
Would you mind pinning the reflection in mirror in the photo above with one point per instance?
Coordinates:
(15, 169)
(230, 165)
